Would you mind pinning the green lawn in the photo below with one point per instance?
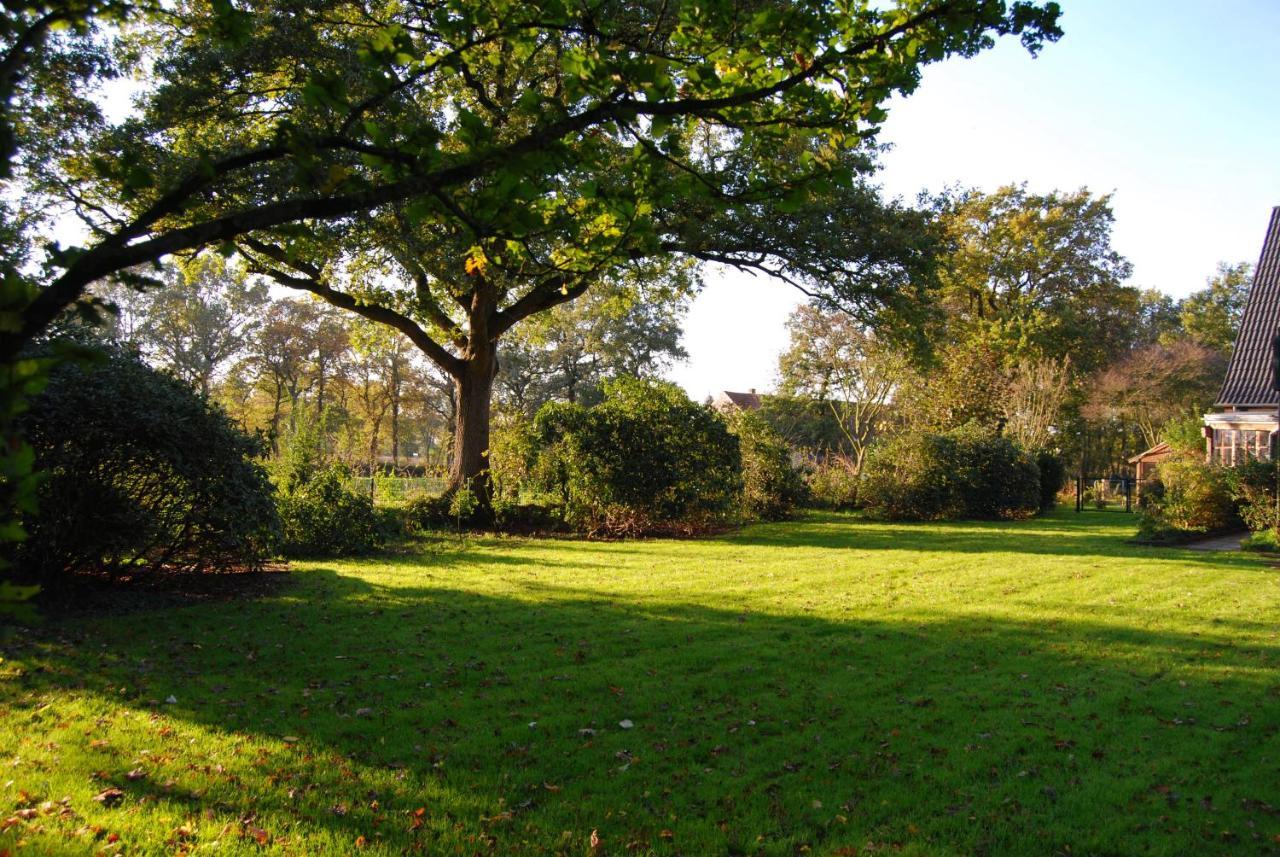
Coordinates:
(828, 686)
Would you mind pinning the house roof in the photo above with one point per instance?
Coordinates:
(1160, 450)
(743, 401)
(1249, 380)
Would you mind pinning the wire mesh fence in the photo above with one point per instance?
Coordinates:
(396, 490)
(1115, 493)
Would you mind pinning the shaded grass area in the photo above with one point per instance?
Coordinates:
(826, 686)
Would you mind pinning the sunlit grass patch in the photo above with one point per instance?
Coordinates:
(826, 684)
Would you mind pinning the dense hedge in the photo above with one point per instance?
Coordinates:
(644, 459)
(771, 486)
(1053, 475)
(965, 473)
(142, 475)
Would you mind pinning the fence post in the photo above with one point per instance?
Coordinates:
(1080, 492)
(1128, 494)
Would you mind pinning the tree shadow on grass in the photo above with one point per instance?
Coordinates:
(336, 710)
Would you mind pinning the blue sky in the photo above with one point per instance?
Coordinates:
(1173, 107)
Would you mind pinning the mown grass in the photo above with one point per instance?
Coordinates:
(829, 686)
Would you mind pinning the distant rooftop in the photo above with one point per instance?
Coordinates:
(749, 401)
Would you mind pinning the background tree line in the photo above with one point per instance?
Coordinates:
(278, 364)
(1028, 328)
(1036, 334)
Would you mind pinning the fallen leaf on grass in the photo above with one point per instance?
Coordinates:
(109, 797)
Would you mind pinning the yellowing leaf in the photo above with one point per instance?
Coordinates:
(476, 263)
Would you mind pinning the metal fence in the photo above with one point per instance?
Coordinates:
(394, 490)
(1116, 493)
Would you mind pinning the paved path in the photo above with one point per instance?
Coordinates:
(1218, 543)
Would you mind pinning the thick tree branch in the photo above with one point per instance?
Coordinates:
(116, 254)
(13, 59)
(552, 291)
(311, 281)
(426, 301)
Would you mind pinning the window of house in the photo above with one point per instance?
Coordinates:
(1233, 446)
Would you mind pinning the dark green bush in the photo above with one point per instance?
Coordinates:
(771, 486)
(912, 477)
(428, 513)
(143, 475)
(998, 478)
(644, 459)
(1053, 475)
(1254, 491)
(321, 517)
(966, 473)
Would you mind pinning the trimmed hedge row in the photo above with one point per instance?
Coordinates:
(966, 473)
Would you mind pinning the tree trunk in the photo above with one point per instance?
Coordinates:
(275, 419)
(395, 413)
(474, 392)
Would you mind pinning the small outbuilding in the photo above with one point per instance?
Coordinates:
(1146, 464)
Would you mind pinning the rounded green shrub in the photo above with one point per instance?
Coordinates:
(142, 475)
(644, 459)
(320, 517)
(967, 473)
(1193, 496)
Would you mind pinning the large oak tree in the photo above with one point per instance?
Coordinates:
(284, 123)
